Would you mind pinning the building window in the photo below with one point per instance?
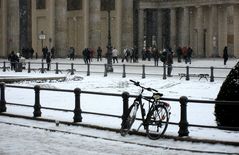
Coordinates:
(40, 4)
(107, 5)
(74, 5)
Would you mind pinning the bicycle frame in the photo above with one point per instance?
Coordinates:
(139, 102)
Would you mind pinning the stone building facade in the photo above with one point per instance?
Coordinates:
(206, 26)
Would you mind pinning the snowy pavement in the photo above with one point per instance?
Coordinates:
(37, 139)
(24, 140)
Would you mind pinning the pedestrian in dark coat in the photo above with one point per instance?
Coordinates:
(225, 55)
(179, 54)
(155, 56)
(13, 58)
(86, 55)
(169, 62)
(48, 60)
(31, 52)
(99, 54)
(189, 55)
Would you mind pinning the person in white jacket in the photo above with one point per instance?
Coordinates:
(115, 55)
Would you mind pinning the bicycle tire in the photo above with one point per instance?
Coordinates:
(129, 119)
(157, 122)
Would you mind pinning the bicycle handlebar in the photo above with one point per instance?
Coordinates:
(138, 84)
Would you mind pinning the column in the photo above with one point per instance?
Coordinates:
(186, 26)
(213, 35)
(86, 22)
(13, 22)
(4, 28)
(52, 24)
(61, 27)
(127, 23)
(94, 24)
(199, 32)
(173, 28)
(140, 31)
(160, 30)
(230, 29)
(119, 25)
(236, 30)
(222, 28)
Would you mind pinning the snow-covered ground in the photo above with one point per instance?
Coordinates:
(21, 140)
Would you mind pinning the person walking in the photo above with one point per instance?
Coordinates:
(72, 53)
(48, 60)
(124, 56)
(155, 56)
(53, 52)
(189, 55)
(115, 55)
(179, 54)
(85, 55)
(225, 55)
(99, 54)
(13, 58)
(169, 62)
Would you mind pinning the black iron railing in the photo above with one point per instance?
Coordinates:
(183, 123)
(124, 69)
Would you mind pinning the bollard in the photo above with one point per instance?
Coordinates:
(37, 106)
(143, 74)
(164, 71)
(212, 75)
(57, 69)
(77, 111)
(125, 96)
(105, 72)
(183, 124)
(4, 66)
(72, 69)
(29, 67)
(88, 69)
(2, 101)
(187, 73)
(124, 73)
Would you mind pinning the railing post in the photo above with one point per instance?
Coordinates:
(125, 96)
(105, 72)
(183, 124)
(164, 71)
(29, 67)
(143, 74)
(4, 66)
(88, 69)
(212, 75)
(72, 69)
(37, 106)
(42, 67)
(2, 101)
(57, 69)
(124, 73)
(77, 111)
(187, 73)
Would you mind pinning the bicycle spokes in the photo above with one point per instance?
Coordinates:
(157, 122)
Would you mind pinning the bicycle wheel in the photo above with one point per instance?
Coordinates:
(157, 122)
(129, 119)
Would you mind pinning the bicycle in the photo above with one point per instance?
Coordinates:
(156, 121)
